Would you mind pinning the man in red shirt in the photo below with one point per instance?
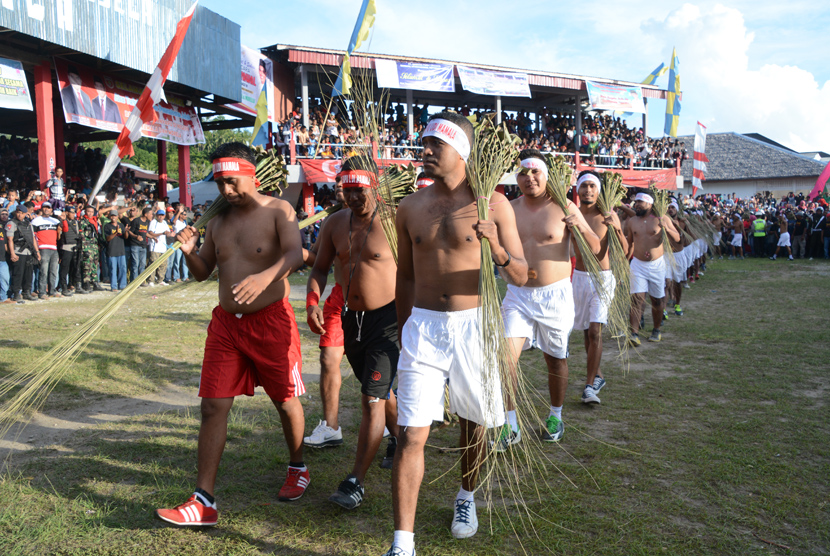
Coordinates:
(47, 230)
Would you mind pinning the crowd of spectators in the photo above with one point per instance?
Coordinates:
(59, 242)
(605, 141)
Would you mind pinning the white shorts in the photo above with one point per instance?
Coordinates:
(589, 306)
(716, 237)
(440, 347)
(544, 315)
(677, 271)
(784, 240)
(701, 248)
(737, 240)
(649, 277)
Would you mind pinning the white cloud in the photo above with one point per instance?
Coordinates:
(785, 103)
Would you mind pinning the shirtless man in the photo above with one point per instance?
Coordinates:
(737, 225)
(591, 308)
(676, 274)
(252, 338)
(328, 432)
(717, 222)
(354, 237)
(437, 305)
(542, 309)
(648, 271)
(784, 238)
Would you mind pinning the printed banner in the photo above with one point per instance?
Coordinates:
(615, 97)
(494, 83)
(257, 73)
(415, 75)
(14, 90)
(323, 170)
(104, 102)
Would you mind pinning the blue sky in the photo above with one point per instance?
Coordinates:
(746, 66)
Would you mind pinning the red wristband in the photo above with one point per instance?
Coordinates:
(312, 298)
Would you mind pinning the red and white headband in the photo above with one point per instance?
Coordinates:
(644, 197)
(534, 164)
(450, 134)
(223, 167)
(358, 178)
(424, 182)
(588, 178)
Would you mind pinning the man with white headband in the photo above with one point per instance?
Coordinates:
(648, 270)
(542, 311)
(354, 237)
(591, 307)
(252, 339)
(438, 317)
(738, 234)
(677, 273)
(717, 235)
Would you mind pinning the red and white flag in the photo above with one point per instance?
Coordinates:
(143, 111)
(700, 158)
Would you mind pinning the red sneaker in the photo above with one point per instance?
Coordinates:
(190, 514)
(295, 484)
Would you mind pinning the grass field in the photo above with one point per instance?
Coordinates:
(717, 440)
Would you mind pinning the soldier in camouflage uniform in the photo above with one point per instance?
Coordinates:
(88, 226)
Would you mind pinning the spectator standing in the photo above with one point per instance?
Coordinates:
(157, 234)
(179, 269)
(56, 188)
(70, 242)
(814, 244)
(137, 243)
(113, 232)
(23, 251)
(5, 275)
(47, 229)
(88, 227)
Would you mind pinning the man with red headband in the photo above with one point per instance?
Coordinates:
(252, 338)
(355, 238)
(438, 317)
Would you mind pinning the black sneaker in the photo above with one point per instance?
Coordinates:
(349, 494)
(389, 458)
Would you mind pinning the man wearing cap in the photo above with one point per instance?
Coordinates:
(113, 233)
(355, 237)
(252, 338)
(47, 231)
(90, 261)
(157, 233)
(759, 233)
(542, 310)
(137, 242)
(437, 305)
(20, 241)
(648, 271)
(69, 243)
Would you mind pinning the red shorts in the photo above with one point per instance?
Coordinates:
(332, 319)
(246, 351)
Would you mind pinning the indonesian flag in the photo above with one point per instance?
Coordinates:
(700, 158)
(143, 111)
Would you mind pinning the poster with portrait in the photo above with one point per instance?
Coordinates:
(99, 100)
(257, 77)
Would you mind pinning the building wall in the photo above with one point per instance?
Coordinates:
(748, 188)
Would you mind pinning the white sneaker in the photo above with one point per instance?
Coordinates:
(323, 436)
(589, 395)
(163, 283)
(464, 519)
(152, 284)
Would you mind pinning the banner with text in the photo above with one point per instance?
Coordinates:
(615, 97)
(257, 74)
(415, 75)
(320, 170)
(104, 102)
(14, 90)
(494, 83)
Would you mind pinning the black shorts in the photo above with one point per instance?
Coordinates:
(370, 341)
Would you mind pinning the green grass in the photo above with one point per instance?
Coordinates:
(714, 439)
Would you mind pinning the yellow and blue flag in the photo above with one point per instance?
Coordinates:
(260, 134)
(365, 20)
(673, 97)
(652, 77)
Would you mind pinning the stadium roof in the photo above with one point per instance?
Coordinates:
(733, 156)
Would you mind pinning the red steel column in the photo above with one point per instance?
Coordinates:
(44, 115)
(161, 151)
(60, 150)
(184, 176)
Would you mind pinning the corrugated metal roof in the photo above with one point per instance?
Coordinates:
(328, 57)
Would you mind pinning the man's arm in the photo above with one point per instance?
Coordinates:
(629, 238)
(666, 223)
(615, 227)
(317, 278)
(505, 243)
(576, 220)
(202, 262)
(405, 277)
(246, 291)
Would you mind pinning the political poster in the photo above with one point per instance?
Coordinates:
(14, 90)
(615, 97)
(99, 100)
(494, 83)
(418, 76)
(257, 76)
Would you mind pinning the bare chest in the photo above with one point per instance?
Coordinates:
(255, 241)
(441, 229)
(541, 227)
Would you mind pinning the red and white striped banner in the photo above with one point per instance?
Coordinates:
(700, 158)
(143, 110)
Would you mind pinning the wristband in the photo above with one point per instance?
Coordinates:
(312, 298)
(509, 258)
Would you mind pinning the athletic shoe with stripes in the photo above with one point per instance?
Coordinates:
(349, 494)
(190, 514)
(599, 382)
(295, 484)
(398, 551)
